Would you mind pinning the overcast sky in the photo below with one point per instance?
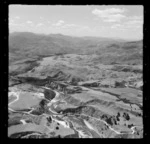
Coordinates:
(105, 21)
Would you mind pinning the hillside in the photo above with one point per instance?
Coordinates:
(29, 45)
(82, 87)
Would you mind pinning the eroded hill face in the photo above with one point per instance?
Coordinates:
(77, 95)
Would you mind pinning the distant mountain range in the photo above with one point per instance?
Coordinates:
(27, 44)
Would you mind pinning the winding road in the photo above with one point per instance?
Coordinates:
(16, 94)
(51, 103)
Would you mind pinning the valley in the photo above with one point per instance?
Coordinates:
(83, 92)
